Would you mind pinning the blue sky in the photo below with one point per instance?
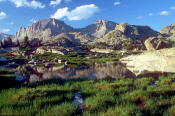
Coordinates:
(80, 13)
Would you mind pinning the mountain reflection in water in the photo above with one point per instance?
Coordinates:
(95, 71)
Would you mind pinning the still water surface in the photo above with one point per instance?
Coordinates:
(93, 71)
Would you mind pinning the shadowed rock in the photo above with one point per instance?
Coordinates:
(154, 43)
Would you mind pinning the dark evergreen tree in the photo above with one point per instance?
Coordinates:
(1, 44)
(17, 43)
(5, 44)
(26, 41)
(9, 42)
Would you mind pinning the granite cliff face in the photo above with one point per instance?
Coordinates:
(43, 29)
(99, 29)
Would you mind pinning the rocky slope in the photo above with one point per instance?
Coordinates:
(126, 33)
(169, 32)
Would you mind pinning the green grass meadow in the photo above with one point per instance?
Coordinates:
(123, 97)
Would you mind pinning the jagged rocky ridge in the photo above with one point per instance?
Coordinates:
(101, 31)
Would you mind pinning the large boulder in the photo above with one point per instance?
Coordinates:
(154, 43)
(151, 61)
(42, 50)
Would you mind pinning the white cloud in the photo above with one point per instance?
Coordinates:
(117, 3)
(150, 14)
(164, 13)
(79, 13)
(60, 13)
(139, 17)
(55, 2)
(25, 3)
(5, 30)
(33, 20)
(173, 8)
(2, 15)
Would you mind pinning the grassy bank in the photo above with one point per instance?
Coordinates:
(124, 97)
(76, 58)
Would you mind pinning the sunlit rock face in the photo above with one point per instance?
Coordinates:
(43, 29)
(151, 61)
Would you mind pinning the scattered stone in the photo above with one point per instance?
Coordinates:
(48, 65)
(33, 62)
(59, 61)
(44, 61)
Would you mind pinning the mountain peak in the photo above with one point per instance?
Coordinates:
(44, 29)
(50, 21)
(100, 21)
(168, 29)
(100, 28)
